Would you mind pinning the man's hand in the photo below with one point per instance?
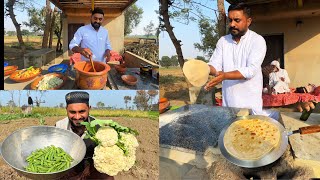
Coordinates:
(218, 79)
(86, 52)
(305, 106)
(107, 55)
(282, 79)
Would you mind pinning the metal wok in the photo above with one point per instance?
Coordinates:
(19, 145)
(274, 154)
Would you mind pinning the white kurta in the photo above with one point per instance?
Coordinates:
(246, 57)
(97, 41)
(276, 82)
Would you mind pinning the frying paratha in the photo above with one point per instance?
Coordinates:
(251, 139)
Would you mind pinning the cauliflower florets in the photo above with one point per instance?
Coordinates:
(129, 141)
(107, 135)
(109, 160)
(108, 157)
(130, 160)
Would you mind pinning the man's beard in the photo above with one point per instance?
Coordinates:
(236, 33)
(78, 125)
(95, 25)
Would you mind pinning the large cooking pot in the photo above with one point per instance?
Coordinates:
(274, 154)
(19, 145)
(86, 78)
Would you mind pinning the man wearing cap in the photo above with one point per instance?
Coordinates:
(78, 111)
(92, 40)
(278, 79)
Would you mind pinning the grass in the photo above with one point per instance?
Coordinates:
(170, 79)
(29, 45)
(38, 112)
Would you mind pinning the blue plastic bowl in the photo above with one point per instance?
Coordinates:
(59, 68)
(5, 63)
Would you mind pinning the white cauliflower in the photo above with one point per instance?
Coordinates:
(130, 141)
(109, 160)
(107, 136)
(129, 161)
(112, 154)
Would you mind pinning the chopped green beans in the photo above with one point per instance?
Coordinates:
(48, 159)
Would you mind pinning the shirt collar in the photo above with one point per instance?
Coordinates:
(242, 37)
(93, 28)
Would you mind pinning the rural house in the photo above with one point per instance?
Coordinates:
(292, 34)
(77, 13)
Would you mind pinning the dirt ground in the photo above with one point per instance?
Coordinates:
(178, 92)
(147, 166)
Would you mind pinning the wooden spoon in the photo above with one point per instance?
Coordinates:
(94, 69)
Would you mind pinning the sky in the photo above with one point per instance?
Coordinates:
(148, 6)
(55, 97)
(188, 34)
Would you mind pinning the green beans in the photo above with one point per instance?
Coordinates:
(48, 159)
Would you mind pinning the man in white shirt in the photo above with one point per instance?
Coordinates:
(92, 39)
(236, 62)
(278, 79)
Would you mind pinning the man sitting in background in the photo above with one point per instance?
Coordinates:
(278, 79)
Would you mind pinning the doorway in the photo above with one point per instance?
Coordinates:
(72, 28)
(275, 47)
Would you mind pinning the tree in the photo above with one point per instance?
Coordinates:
(61, 105)
(132, 17)
(201, 58)
(152, 94)
(126, 100)
(11, 102)
(141, 100)
(25, 32)
(37, 22)
(11, 33)
(165, 61)
(10, 5)
(164, 12)
(184, 11)
(174, 60)
(222, 19)
(47, 25)
(39, 100)
(100, 105)
(209, 36)
(149, 29)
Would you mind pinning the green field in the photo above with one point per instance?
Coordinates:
(38, 112)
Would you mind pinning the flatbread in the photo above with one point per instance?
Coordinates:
(196, 71)
(251, 139)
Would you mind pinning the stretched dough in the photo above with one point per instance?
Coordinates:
(196, 71)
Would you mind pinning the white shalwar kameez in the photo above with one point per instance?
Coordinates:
(275, 81)
(246, 57)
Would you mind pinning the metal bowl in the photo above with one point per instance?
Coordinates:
(19, 145)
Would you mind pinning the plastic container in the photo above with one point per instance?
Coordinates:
(59, 68)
